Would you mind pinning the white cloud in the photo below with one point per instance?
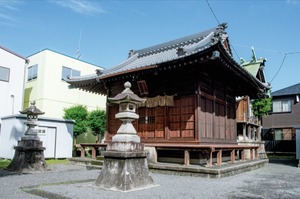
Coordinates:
(292, 2)
(7, 9)
(81, 6)
(9, 4)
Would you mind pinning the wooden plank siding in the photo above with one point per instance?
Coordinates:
(215, 122)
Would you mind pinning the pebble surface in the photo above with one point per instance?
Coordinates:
(276, 180)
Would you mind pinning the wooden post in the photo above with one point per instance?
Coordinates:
(186, 157)
(209, 158)
(244, 132)
(254, 154)
(82, 151)
(219, 157)
(93, 152)
(243, 154)
(232, 156)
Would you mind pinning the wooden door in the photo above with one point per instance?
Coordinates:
(182, 118)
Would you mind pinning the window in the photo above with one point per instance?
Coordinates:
(282, 106)
(147, 120)
(284, 134)
(32, 72)
(4, 74)
(278, 134)
(69, 72)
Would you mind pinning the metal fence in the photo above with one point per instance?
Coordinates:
(280, 145)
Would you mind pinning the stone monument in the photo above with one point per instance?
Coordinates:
(125, 165)
(29, 154)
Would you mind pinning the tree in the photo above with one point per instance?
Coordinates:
(261, 107)
(97, 122)
(78, 113)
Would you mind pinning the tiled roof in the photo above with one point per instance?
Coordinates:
(168, 51)
(165, 52)
(173, 50)
(291, 90)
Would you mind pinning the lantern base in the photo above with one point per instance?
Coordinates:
(121, 137)
(29, 156)
(125, 147)
(124, 171)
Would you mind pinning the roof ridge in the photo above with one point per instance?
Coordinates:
(175, 43)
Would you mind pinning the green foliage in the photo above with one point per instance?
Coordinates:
(262, 106)
(4, 163)
(97, 122)
(78, 113)
(57, 161)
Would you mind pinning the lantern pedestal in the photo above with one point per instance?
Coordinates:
(29, 156)
(125, 170)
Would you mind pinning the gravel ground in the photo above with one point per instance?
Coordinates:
(280, 179)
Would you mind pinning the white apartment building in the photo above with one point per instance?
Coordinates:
(45, 83)
(12, 73)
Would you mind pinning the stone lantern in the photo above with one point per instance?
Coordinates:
(29, 154)
(125, 165)
(32, 116)
(128, 102)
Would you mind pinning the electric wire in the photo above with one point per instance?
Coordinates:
(279, 67)
(273, 51)
(212, 11)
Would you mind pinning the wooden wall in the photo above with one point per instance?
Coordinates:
(215, 122)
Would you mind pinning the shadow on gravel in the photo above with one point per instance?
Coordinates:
(289, 162)
(5, 172)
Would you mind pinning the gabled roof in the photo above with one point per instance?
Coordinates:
(214, 40)
(255, 66)
(291, 90)
(168, 51)
(7, 50)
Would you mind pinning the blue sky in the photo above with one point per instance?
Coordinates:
(106, 30)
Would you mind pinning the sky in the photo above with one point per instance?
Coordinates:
(102, 32)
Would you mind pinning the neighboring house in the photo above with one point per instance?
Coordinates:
(281, 124)
(12, 73)
(46, 83)
(248, 125)
(190, 84)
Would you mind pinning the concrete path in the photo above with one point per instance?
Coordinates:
(279, 179)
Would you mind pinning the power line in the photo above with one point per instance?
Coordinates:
(267, 50)
(213, 12)
(279, 67)
(285, 55)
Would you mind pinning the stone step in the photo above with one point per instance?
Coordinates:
(89, 163)
(93, 167)
(80, 161)
(97, 162)
(100, 158)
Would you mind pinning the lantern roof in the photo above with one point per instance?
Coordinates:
(32, 110)
(127, 96)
